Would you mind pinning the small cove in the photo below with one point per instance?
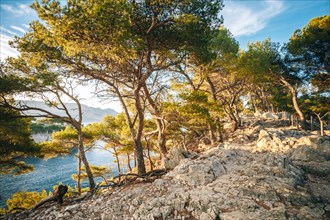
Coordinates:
(52, 171)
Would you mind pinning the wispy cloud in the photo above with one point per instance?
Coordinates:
(6, 51)
(245, 19)
(19, 10)
(26, 25)
(18, 29)
(7, 31)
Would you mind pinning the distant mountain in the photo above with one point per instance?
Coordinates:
(90, 114)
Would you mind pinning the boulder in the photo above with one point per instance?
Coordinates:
(174, 156)
(269, 115)
(306, 153)
(268, 142)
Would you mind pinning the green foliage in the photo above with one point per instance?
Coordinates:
(224, 44)
(15, 132)
(261, 62)
(23, 200)
(116, 30)
(312, 44)
(195, 107)
(43, 128)
(280, 99)
(98, 171)
(51, 149)
(321, 81)
(27, 200)
(69, 134)
(316, 104)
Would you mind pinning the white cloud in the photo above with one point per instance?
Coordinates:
(20, 10)
(26, 25)
(18, 29)
(245, 19)
(7, 31)
(5, 49)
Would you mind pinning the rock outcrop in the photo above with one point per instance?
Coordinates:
(261, 173)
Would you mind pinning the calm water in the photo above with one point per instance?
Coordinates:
(50, 172)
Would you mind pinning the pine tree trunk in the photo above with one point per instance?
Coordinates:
(214, 97)
(160, 124)
(129, 162)
(219, 129)
(149, 157)
(212, 135)
(84, 160)
(321, 124)
(295, 102)
(79, 174)
(135, 162)
(161, 138)
(138, 136)
(117, 159)
(139, 157)
(311, 123)
(322, 127)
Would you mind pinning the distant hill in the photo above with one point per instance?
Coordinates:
(90, 114)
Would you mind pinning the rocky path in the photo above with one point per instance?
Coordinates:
(261, 173)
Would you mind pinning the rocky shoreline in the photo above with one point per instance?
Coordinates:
(264, 171)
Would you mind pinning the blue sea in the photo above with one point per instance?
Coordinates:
(48, 173)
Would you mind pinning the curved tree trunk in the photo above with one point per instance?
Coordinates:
(136, 135)
(321, 124)
(295, 102)
(160, 123)
(84, 160)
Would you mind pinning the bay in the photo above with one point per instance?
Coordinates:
(48, 173)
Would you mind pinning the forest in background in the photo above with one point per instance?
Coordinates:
(178, 73)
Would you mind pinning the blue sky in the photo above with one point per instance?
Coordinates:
(253, 20)
(248, 20)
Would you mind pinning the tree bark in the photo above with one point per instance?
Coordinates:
(217, 118)
(161, 138)
(160, 123)
(212, 135)
(295, 102)
(149, 157)
(117, 159)
(321, 124)
(311, 123)
(129, 162)
(135, 162)
(219, 129)
(79, 173)
(138, 136)
(84, 160)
